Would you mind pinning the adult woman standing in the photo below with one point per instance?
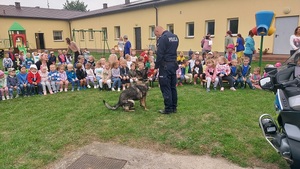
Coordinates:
(207, 44)
(240, 47)
(121, 46)
(228, 40)
(74, 48)
(249, 46)
(295, 41)
(43, 62)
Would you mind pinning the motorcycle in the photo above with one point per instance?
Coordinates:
(283, 134)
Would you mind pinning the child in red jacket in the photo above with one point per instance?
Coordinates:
(34, 80)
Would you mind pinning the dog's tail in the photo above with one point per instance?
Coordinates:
(111, 107)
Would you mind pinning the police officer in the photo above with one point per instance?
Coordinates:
(167, 44)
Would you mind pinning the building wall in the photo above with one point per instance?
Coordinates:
(127, 22)
(197, 11)
(33, 26)
(219, 10)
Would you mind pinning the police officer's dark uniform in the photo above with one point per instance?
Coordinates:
(166, 62)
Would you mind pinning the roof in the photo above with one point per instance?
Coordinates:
(62, 14)
(16, 27)
(140, 4)
(34, 12)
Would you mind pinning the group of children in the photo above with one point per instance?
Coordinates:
(114, 72)
(27, 78)
(212, 68)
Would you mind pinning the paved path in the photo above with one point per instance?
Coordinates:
(144, 159)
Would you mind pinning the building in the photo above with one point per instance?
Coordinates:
(189, 19)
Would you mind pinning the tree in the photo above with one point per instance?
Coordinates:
(75, 6)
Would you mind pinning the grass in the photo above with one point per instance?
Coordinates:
(38, 130)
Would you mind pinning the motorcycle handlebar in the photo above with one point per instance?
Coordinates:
(289, 83)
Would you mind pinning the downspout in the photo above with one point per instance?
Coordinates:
(70, 30)
(156, 16)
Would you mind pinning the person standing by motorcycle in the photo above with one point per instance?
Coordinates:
(295, 41)
(167, 44)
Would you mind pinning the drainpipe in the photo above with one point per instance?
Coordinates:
(156, 15)
(71, 37)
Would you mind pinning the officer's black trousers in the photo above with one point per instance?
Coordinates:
(167, 82)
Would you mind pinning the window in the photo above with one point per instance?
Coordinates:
(170, 27)
(190, 29)
(117, 32)
(210, 28)
(233, 26)
(104, 33)
(91, 34)
(151, 32)
(82, 33)
(57, 36)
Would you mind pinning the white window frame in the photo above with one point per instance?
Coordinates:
(91, 34)
(229, 26)
(61, 35)
(117, 30)
(168, 27)
(206, 27)
(151, 32)
(188, 34)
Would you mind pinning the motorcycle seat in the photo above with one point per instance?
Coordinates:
(292, 91)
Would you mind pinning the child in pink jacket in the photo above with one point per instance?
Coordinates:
(223, 72)
(211, 74)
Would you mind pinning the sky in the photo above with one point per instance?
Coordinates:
(58, 4)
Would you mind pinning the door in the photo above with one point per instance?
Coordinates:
(285, 27)
(138, 38)
(40, 42)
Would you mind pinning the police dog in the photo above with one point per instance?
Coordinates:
(127, 97)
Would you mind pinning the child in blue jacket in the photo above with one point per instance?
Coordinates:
(23, 82)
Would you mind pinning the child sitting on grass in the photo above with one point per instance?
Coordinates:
(116, 76)
(106, 78)
(133, 74)
(81, 75)
(72, 77)
(34, 80)
(124, 73)
(23, 82)
(45, 80)
(63, 78)
(54, 78)
(12, 83)
(244, 74)
(197, 71)
(90, 76)
(255, 77)
(211, 74)
(3, 86)
(223, 73)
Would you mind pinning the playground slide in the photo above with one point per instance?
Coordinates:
(22, 48)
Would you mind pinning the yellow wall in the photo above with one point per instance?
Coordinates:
(33, 26)
(197, 11)
(127, 22)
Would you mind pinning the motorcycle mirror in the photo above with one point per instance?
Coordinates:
(266, 83)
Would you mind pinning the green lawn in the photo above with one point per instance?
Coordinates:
(38, 130)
